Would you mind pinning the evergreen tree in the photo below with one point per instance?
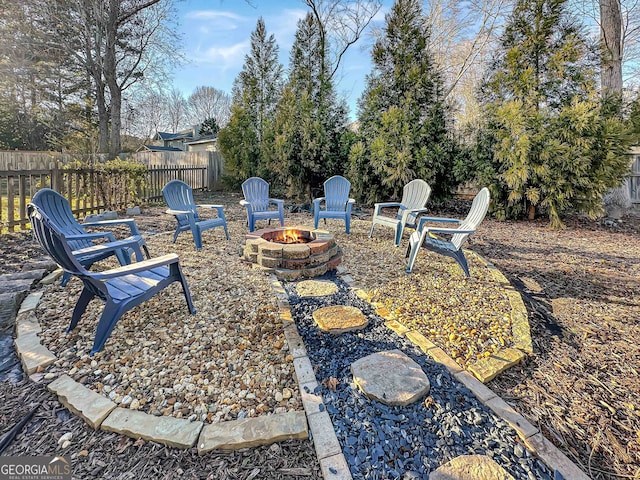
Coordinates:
(554, 147)
(255, 94)
(209, 127)
(404, 131)
(310, 124)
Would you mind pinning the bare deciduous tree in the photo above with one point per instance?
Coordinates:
(462, 34)
(117, 43)
(177, 108)
(209, 102)
(341, 24)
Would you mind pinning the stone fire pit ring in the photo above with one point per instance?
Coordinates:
(317, 253)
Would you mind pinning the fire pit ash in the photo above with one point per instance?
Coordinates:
(293, 252)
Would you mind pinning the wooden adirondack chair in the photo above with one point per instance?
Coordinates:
(179, 197)
(58, 210)
(257, 202)
(121, 288)
(337, 203)
(428, 237)
(415, 195)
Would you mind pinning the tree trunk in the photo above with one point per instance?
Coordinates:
(103, 119)
(611, 48)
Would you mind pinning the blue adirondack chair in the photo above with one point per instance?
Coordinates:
(57, 208)
(430, 237)
(415, 195)
(179, 197)
(257, 202)
(121, 288)
(337, 203)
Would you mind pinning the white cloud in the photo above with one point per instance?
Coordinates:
(213, 15)
(209, 21)
(226, 56)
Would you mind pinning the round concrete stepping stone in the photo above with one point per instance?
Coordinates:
(471, 467)
(340, 319)
(316, 288)
(390, 377)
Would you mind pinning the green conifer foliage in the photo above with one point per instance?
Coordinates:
(256, 91)
(404, 131)
(554, 147)
(309, 129)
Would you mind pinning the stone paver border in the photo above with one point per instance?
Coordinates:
(101, 413)
(531, 436)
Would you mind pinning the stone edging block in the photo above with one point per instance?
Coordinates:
(554, 458)
(335, 468)
(505, 411)
(92, 407)
(324, 435)
(173, 432)
(30, 303)
(52, 277)
(487, 369)
(252, 432)
(33, 355)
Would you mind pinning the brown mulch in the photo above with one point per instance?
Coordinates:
(580, 387)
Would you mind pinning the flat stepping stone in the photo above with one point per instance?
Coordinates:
(316, 288)
(340, 319)
(471, 467)
(390, 377)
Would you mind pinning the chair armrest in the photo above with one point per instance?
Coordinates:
(416, 210)
(219, 208)
(130, 242)
(171, 211)
(88, 236)
(276, 201)
(244, 203)
(130, 222)
(205, 205)
(137, 267)
(319, 200)
(424, 220)
(377, 207)
(451, 231)
(351, 201)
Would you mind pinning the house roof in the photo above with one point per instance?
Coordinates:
(160, 148)
(164, 136)
(203, 139)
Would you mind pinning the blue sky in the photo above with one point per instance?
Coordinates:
(216, 38)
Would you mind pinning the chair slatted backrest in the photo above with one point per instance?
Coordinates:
(475, 216)
(336, 192)
(58, 210)
(179, 196)
(415, 194)
(256, 192)
(52, 240)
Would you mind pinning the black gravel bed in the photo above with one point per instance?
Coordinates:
(384, 442)
(10, 368)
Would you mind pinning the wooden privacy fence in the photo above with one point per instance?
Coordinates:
(89, 190)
